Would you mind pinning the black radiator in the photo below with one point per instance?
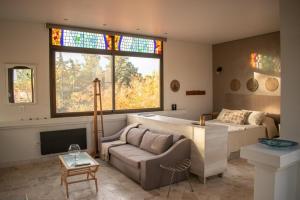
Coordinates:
(59, 141)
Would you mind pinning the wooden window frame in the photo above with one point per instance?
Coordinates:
(53, 49)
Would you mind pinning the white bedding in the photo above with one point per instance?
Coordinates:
(241, 135)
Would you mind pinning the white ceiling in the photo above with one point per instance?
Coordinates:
(206, 21)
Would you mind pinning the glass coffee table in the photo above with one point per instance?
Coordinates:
(83, 165)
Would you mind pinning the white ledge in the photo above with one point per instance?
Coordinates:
(272, 157)
(57, 121)
(73, 120)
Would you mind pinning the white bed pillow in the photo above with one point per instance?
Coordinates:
(255, 117)
(271, 127)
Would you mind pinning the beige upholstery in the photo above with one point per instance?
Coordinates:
(135, 136)
(130, 154)
(143, 166)
(156, 143)
(176, 138)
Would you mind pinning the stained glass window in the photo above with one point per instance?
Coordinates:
(70, 38)
(134, 44)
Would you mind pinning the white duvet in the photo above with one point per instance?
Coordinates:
(241, 135)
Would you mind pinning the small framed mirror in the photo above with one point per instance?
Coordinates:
(20, 83)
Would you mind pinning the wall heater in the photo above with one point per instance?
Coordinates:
(59, 141)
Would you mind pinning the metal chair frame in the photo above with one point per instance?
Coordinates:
(181, 167)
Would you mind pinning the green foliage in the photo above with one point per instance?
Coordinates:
(22, 85)
(125, 71)
(74, 84)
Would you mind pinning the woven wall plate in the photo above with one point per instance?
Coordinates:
(272, 84)
(235, 85)
(252, 84)
(175, 85)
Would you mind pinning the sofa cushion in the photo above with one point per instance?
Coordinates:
(135, 135)
(176, 138)
(156, 143)
(130, 154)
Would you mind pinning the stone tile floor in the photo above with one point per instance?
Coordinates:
(41, 181)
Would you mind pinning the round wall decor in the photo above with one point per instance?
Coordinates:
(272, 84)
(175, 85)
(252, 84)
(235, 85)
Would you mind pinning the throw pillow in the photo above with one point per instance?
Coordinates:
(270, 127)
(256, 118)
(236, 117)
(156, 143)
(221, 114)
(135, 136)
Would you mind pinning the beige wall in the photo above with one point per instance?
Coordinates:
(234, 58)
(290, 54)
(28, 43)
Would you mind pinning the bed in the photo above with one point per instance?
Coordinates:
(240, 135)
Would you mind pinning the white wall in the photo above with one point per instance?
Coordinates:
(28, 43)
(25, 43)
(290, 58)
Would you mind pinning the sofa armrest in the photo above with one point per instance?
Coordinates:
(113, 137)
(152, 175)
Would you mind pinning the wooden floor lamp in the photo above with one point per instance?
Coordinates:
(97, 93)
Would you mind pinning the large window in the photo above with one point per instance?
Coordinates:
(130, 70)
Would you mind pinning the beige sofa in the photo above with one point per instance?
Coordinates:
(140, 158)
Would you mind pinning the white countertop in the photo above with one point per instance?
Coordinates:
(277, 158)
(177, 121)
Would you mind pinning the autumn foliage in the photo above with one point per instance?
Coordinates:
(74, 83)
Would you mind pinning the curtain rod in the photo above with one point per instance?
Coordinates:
(75, 28)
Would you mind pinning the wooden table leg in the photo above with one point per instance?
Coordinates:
(67, 187)
(96, 183)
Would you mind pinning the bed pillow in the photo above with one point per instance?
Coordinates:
(236, 117)
(255, 117)
(221, 114)
(270, 127)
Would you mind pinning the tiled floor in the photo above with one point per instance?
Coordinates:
(42, 182)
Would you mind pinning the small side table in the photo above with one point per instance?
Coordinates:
(84, 165)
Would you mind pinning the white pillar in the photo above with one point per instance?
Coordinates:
(276, 172)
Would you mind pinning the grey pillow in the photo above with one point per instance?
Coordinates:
(135, 135)
(176, 138)
(156, 143)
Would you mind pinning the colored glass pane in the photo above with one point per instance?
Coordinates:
(117, 42)
(158, 47)
(56, 36)
(71, 38)
(108, 42)
(141, 45)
